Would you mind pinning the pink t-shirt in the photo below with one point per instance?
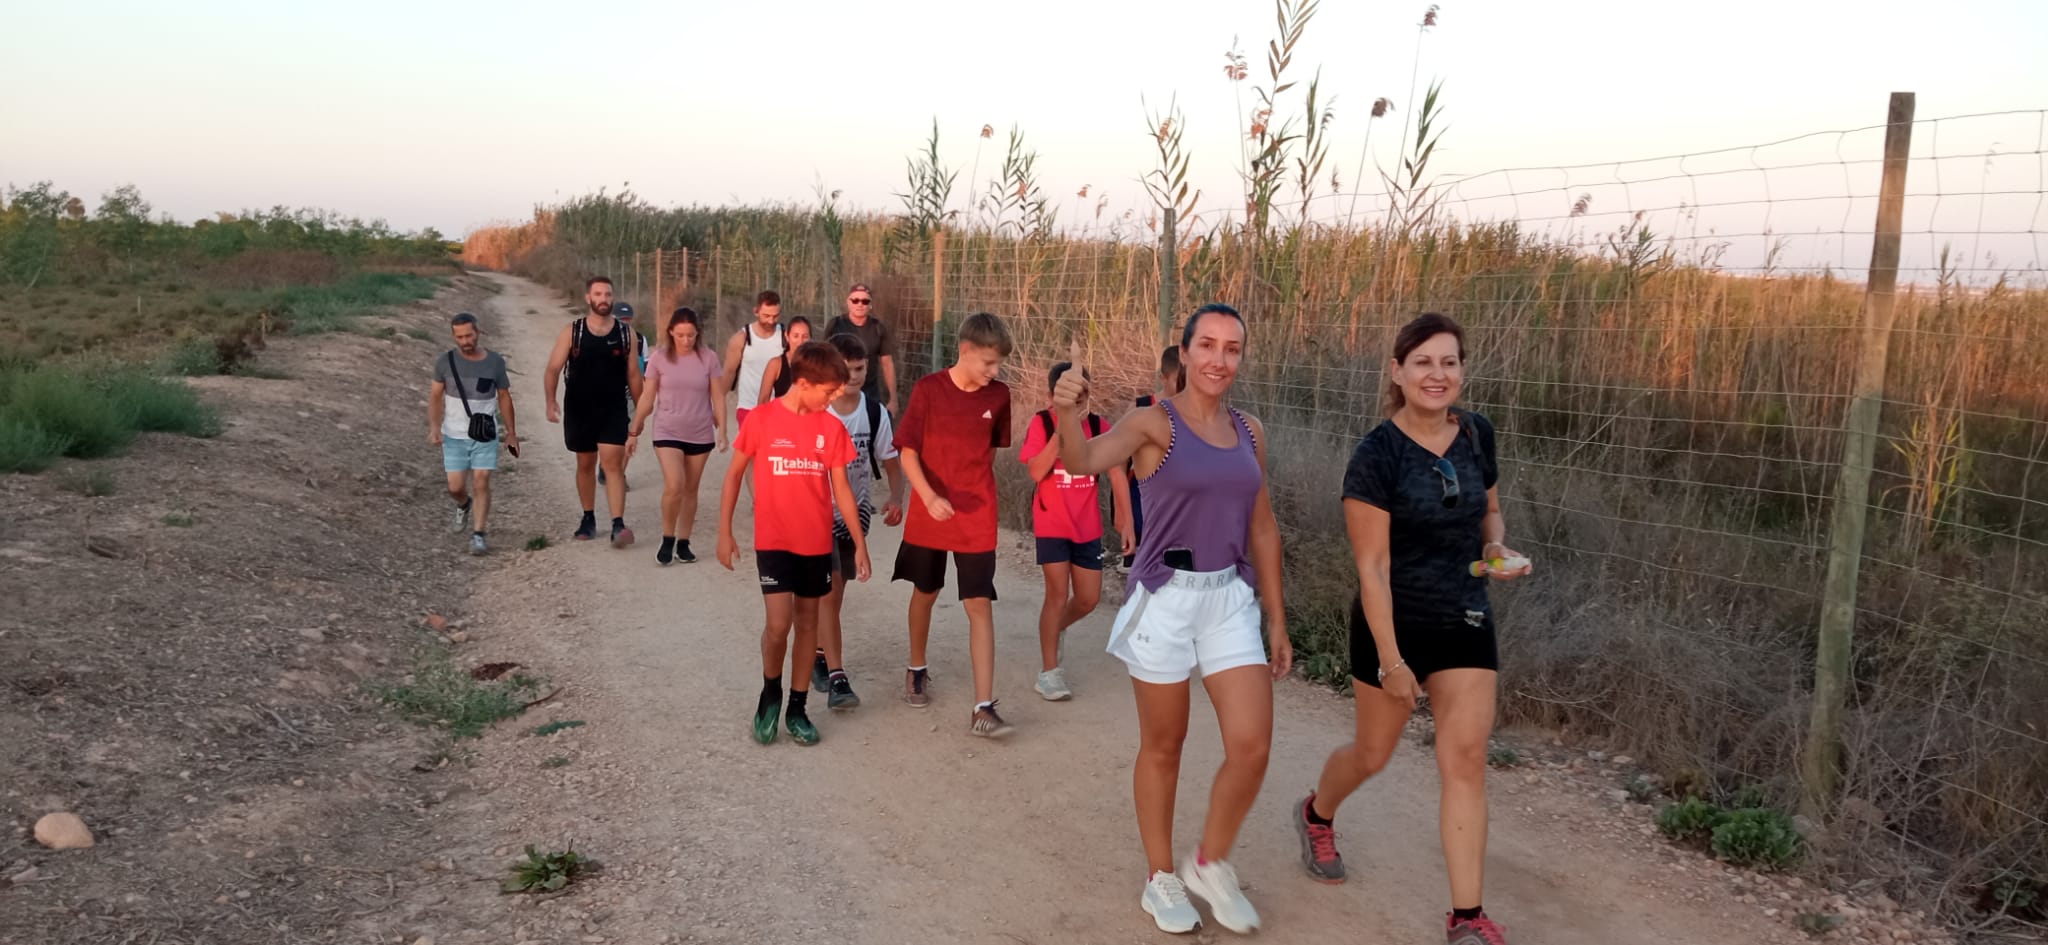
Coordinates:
(1065, 506)
(682, 408)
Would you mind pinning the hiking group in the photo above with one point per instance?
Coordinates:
(817, 429)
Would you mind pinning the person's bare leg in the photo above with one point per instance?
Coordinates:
(1380, 718)
(1051, 614)
(586, 480)
(981, 644)
(613, 458)
(806, 643)
(1087, 593)
(674, 480)
(1155, 778)
(458, 486)
(480, 500)
(693, 476)
(775, 635)
(828, 622)
(920, 624)
(1243, 698)
(1463, 703)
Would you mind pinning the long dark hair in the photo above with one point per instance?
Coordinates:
(687, 316)
(1418, 330)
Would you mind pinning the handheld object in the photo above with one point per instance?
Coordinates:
(1480, 568)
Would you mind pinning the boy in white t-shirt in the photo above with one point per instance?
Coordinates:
(874, 443)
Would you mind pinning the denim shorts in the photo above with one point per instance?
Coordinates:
(461, 454)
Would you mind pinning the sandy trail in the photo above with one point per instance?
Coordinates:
(899, 827)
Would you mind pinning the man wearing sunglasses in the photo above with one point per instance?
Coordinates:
(861, 321)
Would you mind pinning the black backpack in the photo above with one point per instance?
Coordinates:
(1045, 421)
(576, 345)
(874, 410)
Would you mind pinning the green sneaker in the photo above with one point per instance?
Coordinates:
(800, 729)
(764, 723)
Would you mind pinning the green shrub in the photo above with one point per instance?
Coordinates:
(545, 872)
(193, 357)
(441, 694)
(26, 447)
(67, 405)
(1690, 819)
(1757, 837)
(160, 405)
(1502, 756)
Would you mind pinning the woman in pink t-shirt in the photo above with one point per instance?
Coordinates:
(1066, 517)
(687, 405)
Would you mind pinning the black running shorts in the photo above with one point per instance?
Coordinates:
(925, 569)
(1428, 644)
(786, 572)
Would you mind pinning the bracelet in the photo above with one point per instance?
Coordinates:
(1397, 664)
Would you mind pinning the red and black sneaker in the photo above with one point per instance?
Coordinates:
(1475, 931)
(1318, 845)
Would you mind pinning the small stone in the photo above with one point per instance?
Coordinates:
(436, 622)
(63, 831)
(25, 876)
(1883, 903)
(1596, 756)
(459, 636)
(423, 940)
(1624, 760)
(314, 634)
(1618, 796)
(298, 782)
(241, 894)
(1770, 913)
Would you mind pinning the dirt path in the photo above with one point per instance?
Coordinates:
(899, 827)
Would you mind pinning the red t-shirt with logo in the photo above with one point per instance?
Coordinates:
(793, 457)
(955, 434)
(1066, 505)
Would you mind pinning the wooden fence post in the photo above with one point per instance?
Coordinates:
(1820, 761)
(683, 293)
(717, 287)
(1169, 277)
(657, 284)
(938, 294)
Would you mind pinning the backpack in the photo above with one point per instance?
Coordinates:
(576, 345)
(1045, 422)
(874, 411)
(748, 331)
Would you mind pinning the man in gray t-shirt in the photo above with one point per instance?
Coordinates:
(470, 382)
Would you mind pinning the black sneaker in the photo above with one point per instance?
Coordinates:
(587, 530)
(683, 554)
(667, 553)
(839, 694)
(821, 675)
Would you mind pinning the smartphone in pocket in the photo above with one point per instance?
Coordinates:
(1179, 559)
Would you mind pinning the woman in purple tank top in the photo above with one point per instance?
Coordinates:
(1209, 539)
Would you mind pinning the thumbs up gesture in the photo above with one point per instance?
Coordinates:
(1072, 390)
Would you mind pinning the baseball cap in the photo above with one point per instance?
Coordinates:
(622, 310)
(859, 287)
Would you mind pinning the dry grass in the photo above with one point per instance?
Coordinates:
(1669, 437)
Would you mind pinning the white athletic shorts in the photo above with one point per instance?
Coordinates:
(1206, 620)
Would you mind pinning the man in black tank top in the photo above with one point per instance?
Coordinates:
(598, 353)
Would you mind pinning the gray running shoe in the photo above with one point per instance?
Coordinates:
(476, 544)
(1479, 931)
(840, 695)
(1318, 846)
(459, 522)
(1052, 685)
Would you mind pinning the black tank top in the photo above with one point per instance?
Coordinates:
(597, 365)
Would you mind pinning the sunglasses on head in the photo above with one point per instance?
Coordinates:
(860, 301)
(1450, 476)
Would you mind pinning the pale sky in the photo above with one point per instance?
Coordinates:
(455, 114)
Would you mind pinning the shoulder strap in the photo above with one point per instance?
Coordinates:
(459, 392)
(874, 411)
(1094, 424)
(1045, 423)
(1245, 425)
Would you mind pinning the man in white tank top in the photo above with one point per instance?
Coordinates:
(752, 348)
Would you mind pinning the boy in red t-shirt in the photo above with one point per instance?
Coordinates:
(799, 454)
(1066, 517)
(956, 420)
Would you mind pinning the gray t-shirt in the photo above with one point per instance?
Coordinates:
(482, 379)
(879, 341)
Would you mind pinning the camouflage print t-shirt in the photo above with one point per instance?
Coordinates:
(1432, 544)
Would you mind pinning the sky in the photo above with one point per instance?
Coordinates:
(454, 115)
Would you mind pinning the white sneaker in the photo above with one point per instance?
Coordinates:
(1216, 883)
(1166, 901)
(1052, 684)
(459, 522)
(476, 544)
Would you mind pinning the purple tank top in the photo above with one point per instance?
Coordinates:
(1200, 498)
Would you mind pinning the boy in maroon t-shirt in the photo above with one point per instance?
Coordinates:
(956, 420)
(798, 453)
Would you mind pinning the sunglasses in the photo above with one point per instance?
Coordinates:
(860, 301)
(1450, 476)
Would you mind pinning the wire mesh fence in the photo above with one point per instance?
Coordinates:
(1668, 348)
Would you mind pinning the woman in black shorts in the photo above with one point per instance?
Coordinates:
(1423, 515)
(686, 404)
